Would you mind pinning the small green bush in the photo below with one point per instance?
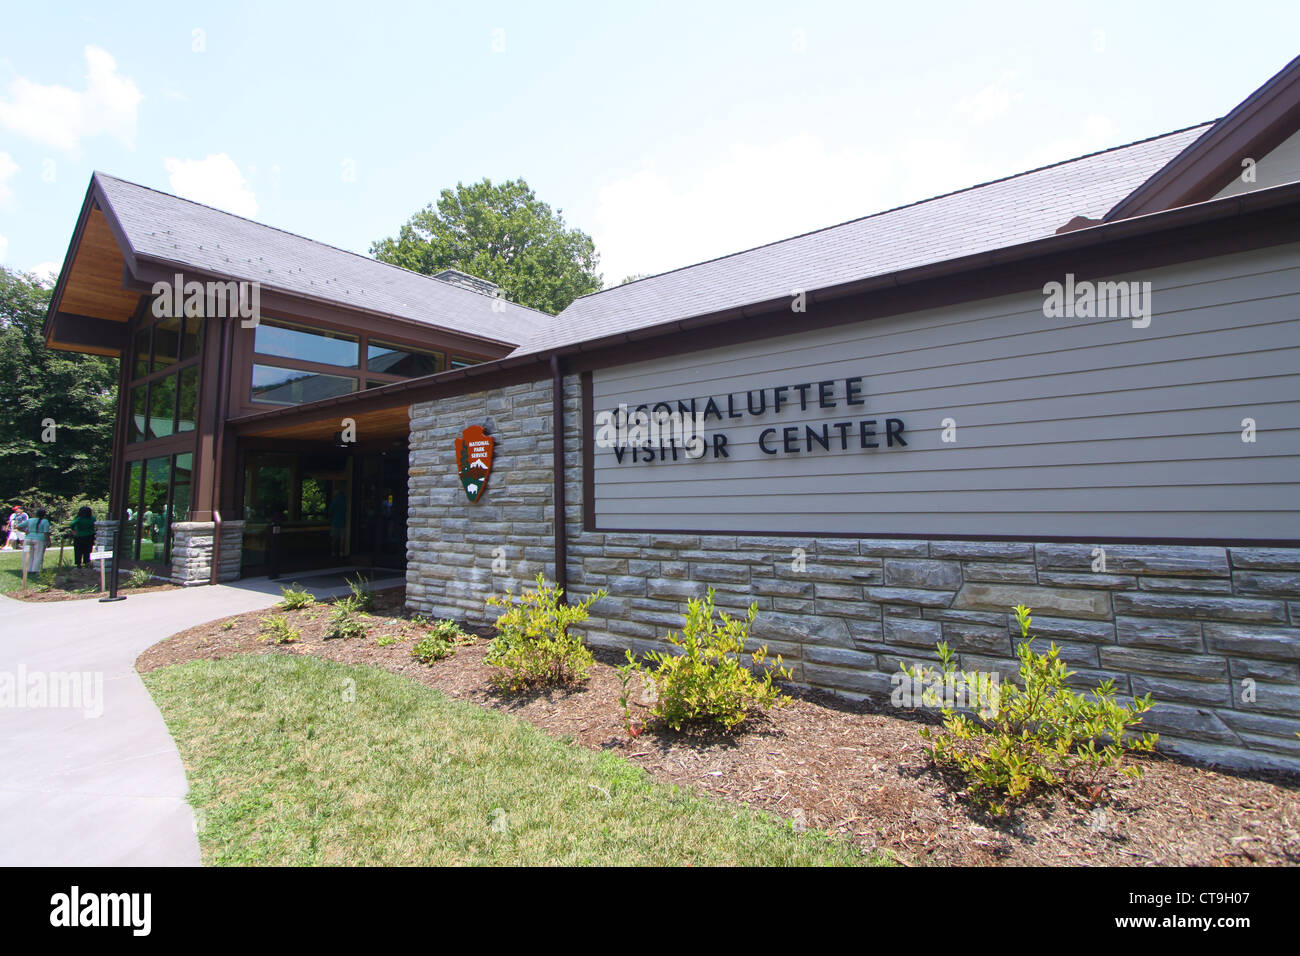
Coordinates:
(363, 599)
(533, 646)
(344, 621)
(430, 649)
(441, 641)
(277, 630)
(705, 680)
(448, 630)
(1032, 731)
(139, 578)
(296, 598)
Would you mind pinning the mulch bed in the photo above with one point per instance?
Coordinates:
(73, 581)
(847, 767)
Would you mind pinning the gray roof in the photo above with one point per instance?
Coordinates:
(1002, 213)
(165, 227)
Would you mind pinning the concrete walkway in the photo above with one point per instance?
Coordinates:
(108, 790)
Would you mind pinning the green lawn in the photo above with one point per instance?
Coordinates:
(284, 769)
(11, 566)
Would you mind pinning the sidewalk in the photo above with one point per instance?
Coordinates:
(78, 790)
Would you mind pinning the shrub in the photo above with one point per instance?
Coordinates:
(296, 598)
(344, 621)
(705, 680)
(276, 629)
(533, 646)
(385, 640)
(1032, 731)
(448, 630)
(139, 578)
(431, 648)
(42, 580)
(363, 599)
(441, 641)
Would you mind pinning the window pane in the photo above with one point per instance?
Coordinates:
(192, 341)
(139, 412)
(327, 348)
(180, 506)
(166, 343)
(131, 507)
(459, 361)
(154, 519)
(162, 406)
(402, 360)
(141, 353)
(189, 398)
(288, 386)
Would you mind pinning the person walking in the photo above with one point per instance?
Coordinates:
(83, 536)
(36, 532)
(15, 525)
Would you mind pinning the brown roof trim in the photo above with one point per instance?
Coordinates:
(150, 269)
(1173, 219)
(87, 204)
(1257, 125)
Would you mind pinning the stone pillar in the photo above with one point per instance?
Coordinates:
(192, 552)
(106, 535)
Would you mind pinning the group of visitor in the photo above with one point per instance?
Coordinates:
(31, 534)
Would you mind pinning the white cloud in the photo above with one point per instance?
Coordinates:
(214, 180)
(7, 169)
(48, 271)
(651, 220)
(61, 117)
(4, 247)
(990, 102)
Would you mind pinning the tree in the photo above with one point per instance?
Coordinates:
(64, 396)
(502, 233)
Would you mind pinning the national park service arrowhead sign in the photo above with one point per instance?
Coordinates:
(474, 460)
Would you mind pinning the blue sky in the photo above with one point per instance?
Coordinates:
(672, 132)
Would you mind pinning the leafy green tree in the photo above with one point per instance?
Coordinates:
(503, 233)
(38, 386)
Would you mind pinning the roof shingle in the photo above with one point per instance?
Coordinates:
(164, 227)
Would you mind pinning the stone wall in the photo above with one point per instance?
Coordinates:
(1212, 633)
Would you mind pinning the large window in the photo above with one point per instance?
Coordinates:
(289, 386)
(163, 399)
(402, 360)
(318, 347)
(293, 364)
(157, 493)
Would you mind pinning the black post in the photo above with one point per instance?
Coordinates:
(112, 580)
(273, 551)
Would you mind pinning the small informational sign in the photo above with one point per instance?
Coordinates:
(103, 557)
(474, 460)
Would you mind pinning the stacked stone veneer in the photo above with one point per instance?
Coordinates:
(1212, 633)
(192, 551)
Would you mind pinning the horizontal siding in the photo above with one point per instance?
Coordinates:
(1065, 427)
